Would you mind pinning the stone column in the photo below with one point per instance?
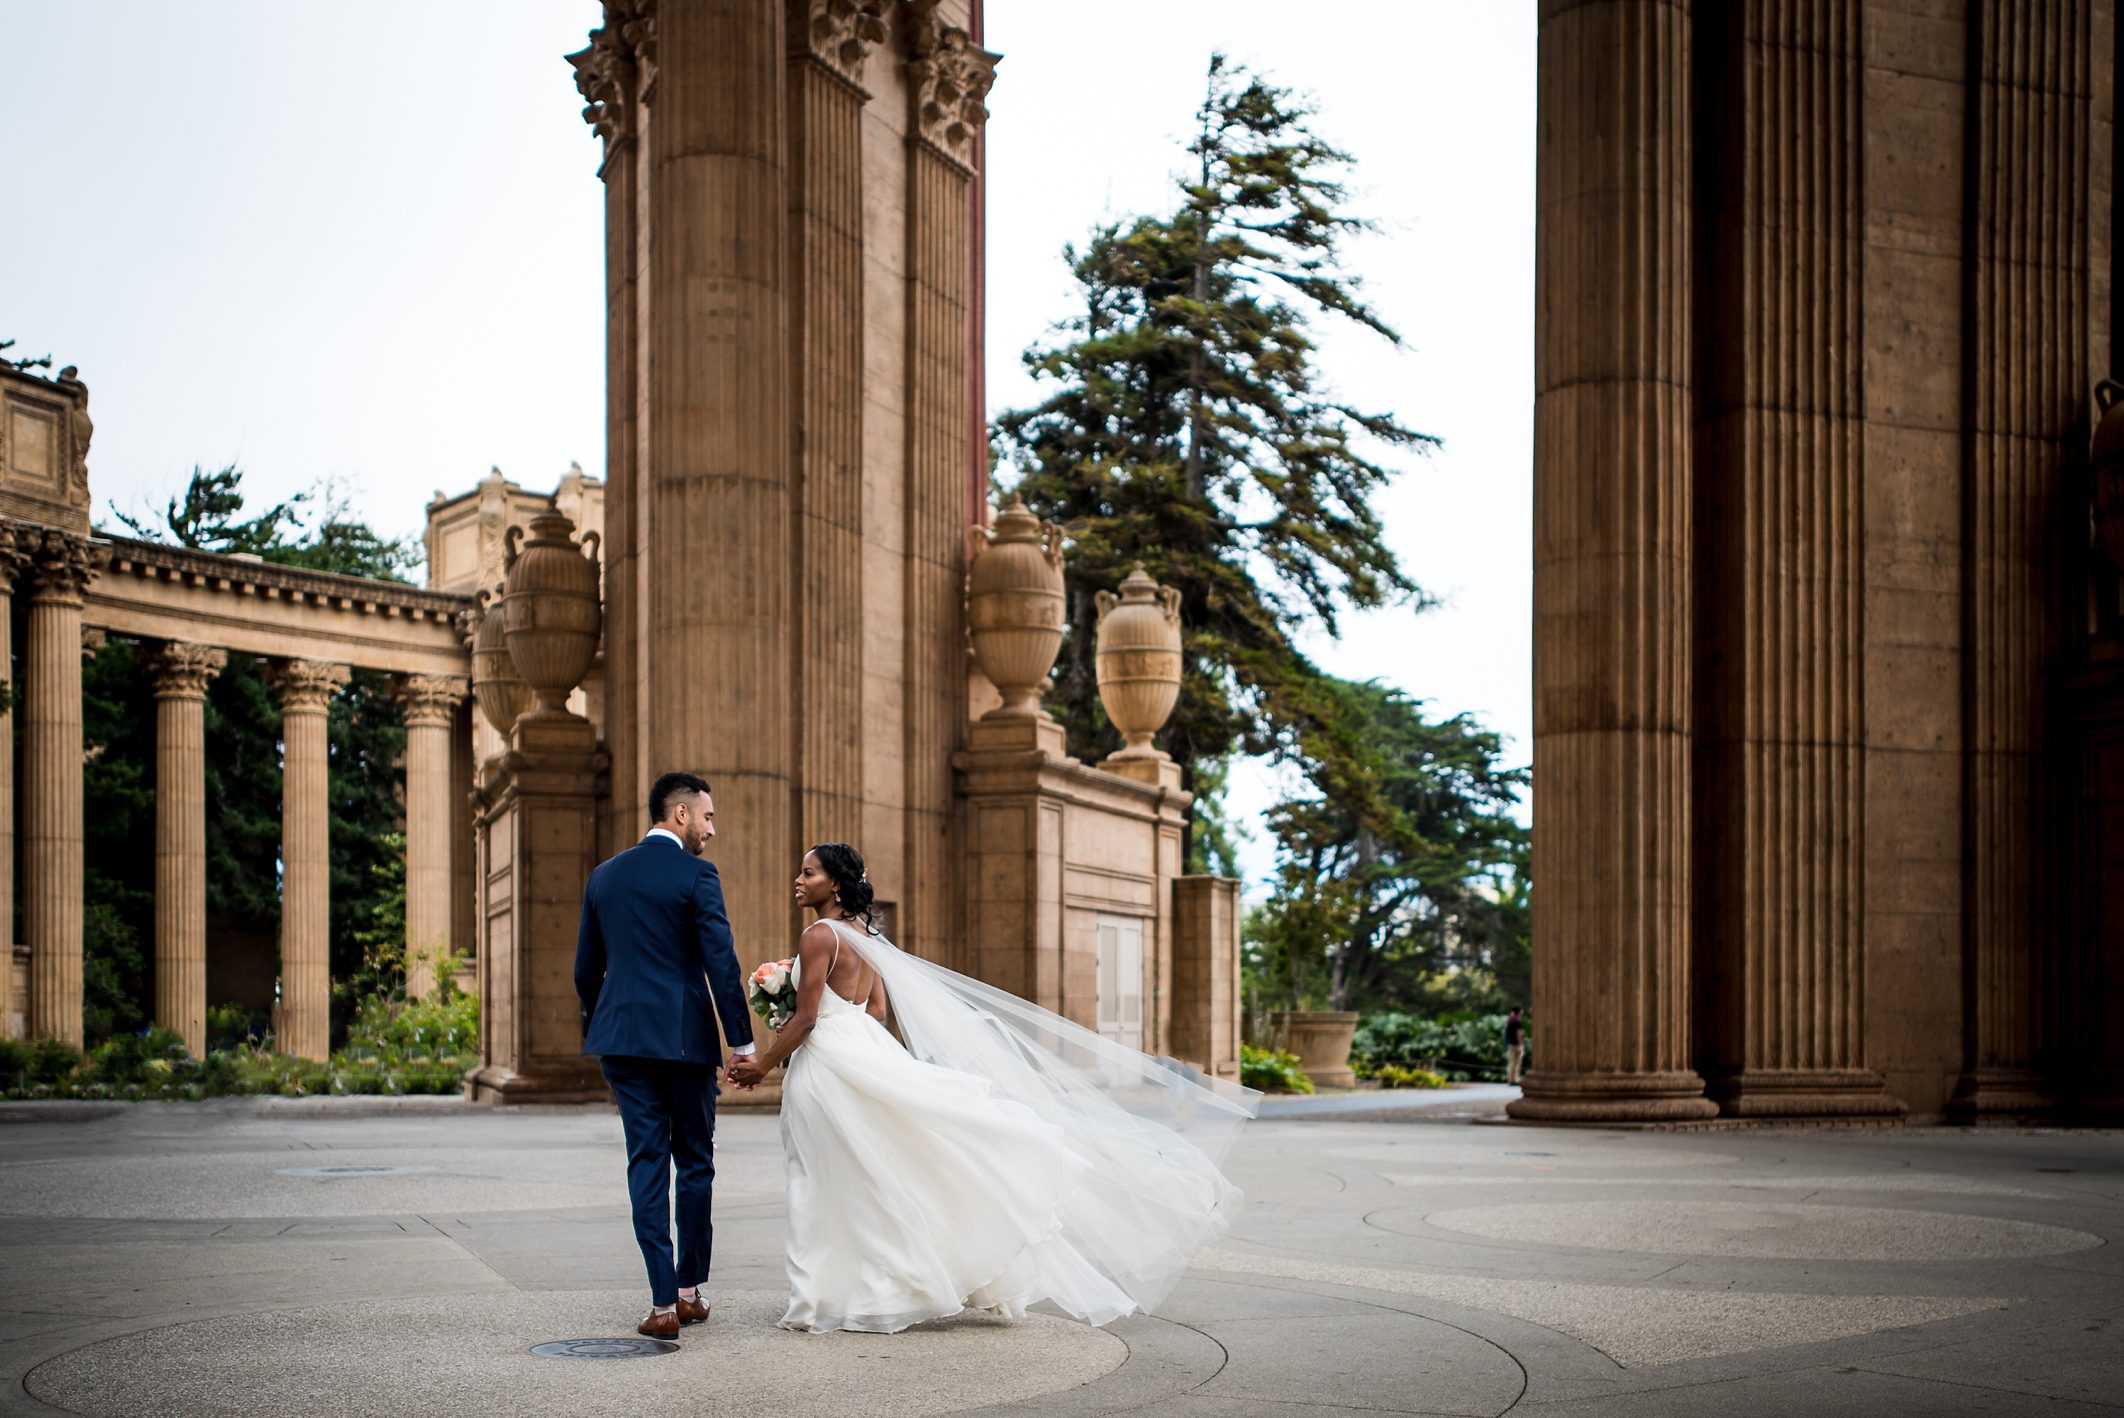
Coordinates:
(305, 689)
(829, 42)
(1779, 597)
(431, 718)
(2028, 383)
(1611, 566)
(182, 673)
(61, 568)
(948, 77)
(11, 563)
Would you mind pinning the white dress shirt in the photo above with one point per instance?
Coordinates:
(736, 1050)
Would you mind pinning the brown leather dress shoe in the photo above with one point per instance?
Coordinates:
(692, 1311)
(658, 1326)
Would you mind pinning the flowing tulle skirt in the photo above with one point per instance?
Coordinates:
(915, 1194)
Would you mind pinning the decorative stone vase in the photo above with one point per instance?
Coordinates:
(1321, 1039)
(551, 613)
(497, 688)
(1014, 606)
(2106, 472)
(1139, 660)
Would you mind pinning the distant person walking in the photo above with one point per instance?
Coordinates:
(1515, 1044)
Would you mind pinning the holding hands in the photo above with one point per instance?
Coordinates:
(745, 1071)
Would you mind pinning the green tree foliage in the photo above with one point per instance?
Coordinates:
(365, 735)
(1185, 428)
(1373, 912)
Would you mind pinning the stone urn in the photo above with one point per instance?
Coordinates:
(1321, 1039)
(497, 688)
(551, 613)
(1139, 660)
(2106, 472)
(1014, 608)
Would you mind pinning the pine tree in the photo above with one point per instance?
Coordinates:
(1187, 430)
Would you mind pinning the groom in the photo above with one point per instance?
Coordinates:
(654, 946)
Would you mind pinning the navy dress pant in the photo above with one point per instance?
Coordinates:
(668, 1112)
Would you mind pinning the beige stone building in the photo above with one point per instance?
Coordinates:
(784, 581)
(1827, 690)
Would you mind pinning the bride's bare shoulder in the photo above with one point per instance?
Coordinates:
(819, 933)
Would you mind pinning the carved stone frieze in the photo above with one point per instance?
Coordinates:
(306, 686)
(838, 34)
(950, 76)
(183, 670)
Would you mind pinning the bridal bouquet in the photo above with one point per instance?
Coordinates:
(772, 992)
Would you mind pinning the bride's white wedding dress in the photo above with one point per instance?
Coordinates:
(1004, 1157)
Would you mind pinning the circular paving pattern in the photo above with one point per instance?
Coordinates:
(1522, 1152)
(471, 1354)
(1755, 1230)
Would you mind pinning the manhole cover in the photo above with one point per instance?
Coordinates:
(1530, 1154)
(2059, 1171)
(605, 1348)
(351, 1171)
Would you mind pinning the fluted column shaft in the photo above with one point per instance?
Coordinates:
(829, 42)
(2028, 382)
(431, 717)
(1779, 612)
(52, 911)
(949, 76)
(305, 688)
(11, 563)
(182, 673)
(1611, 571)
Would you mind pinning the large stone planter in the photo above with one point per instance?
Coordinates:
(1321, 1039)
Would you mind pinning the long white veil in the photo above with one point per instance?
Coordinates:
(1154, 1132)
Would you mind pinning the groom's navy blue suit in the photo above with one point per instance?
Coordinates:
(654, 950)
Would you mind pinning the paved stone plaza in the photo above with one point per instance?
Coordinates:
(256, 1258)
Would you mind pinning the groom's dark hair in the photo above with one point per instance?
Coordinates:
(669, 786)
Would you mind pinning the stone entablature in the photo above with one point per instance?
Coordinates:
(161, 592)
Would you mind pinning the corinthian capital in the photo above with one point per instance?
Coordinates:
(610, 71)
(949, 77)
(13, 557)
(61, 565)
(431, 700)
(183, 671)
(838, 35)
(306, 686)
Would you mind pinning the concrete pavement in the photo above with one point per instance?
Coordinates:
(248, 1258)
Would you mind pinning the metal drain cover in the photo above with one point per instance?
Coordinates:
(604, 1348)
(350, 1171)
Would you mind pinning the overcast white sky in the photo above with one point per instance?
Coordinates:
(364, 241)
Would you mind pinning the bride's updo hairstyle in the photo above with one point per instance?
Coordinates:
(850, 881)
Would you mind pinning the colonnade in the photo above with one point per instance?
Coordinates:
(55, 569)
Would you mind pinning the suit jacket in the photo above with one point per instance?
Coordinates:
(653, 949)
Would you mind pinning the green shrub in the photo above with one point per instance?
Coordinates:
(396, 1046)
(1462, 1046)
(1272, 1070)
(1393, 1075)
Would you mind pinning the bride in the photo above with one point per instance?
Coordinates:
(1002, 1156)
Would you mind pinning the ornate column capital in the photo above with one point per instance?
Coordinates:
(431, 701)
(13, 558)
(949, 78)
(837, 35)
(306, 686)
(61, 564)
(183, 670)
(618, 64)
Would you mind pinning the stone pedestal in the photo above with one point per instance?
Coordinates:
(304, 1024)
(1206, 1005)
(1057, 852)
(182, 673)
(536, 815)
(1321, 1039)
